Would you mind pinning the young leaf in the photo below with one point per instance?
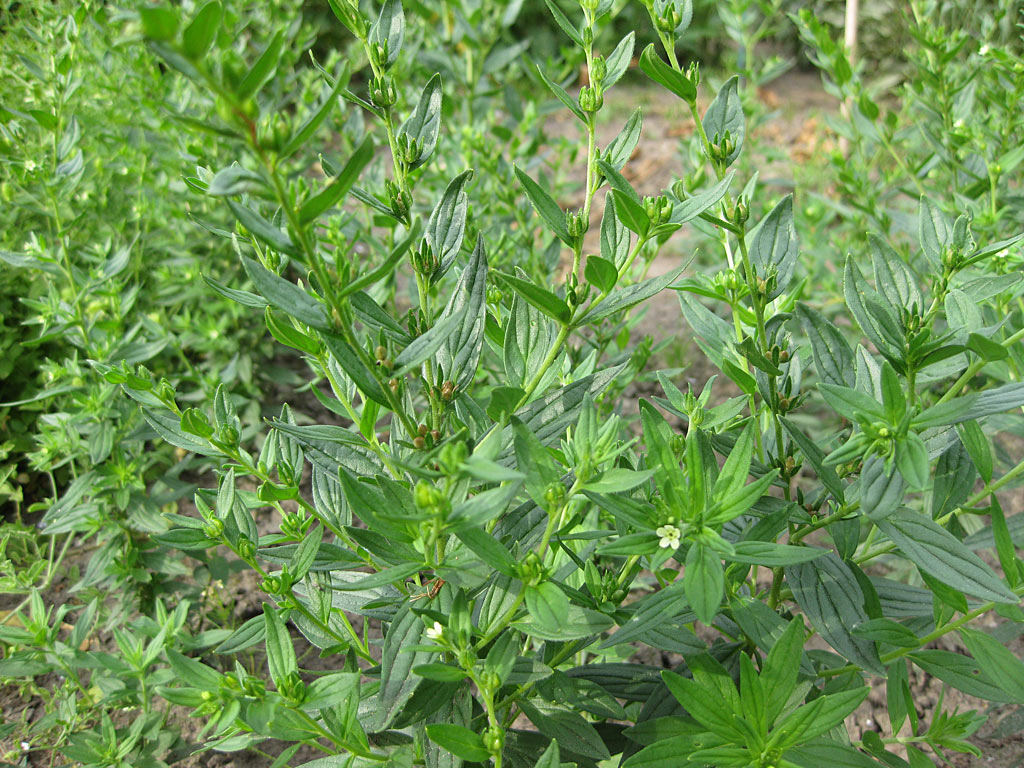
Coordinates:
(459, 740)
(546, 207)
(773, 247)
(424, 125)
(664, 75)
(725, 116)
(704, 581)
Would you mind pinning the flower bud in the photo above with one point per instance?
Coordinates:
(382, 92)
(213, 529)
(599, 69)
(447, 391)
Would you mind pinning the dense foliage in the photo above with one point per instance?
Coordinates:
(468, 535)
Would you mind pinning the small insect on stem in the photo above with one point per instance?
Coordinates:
(433, 588)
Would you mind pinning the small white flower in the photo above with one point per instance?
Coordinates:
(435, 632)
(670, 536)
(30, 165)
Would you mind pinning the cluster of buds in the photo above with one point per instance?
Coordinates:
(723, 148)
(530, 570)
(577, 224)
(382, 92)
(277, 584)
(399, 200)
(429, 499)
(554, 497)
(494, 295)
(292, 688)
(424, 260)
(379, 54)
(727, 281)
(426, 438)
(788, 468)
(670, 17)
(658, 209)
(694, 410)
(778, 355)
(295, 525)
(213, 528)
(410, 149)
(247, 685)
(494, 739)
(452, 456)
(591, 98)
(274, 134)
(245, 548)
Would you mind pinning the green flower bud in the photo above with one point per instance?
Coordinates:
(245, 548)
(382, 92)
(554, 496)
(214, 529)
(599, 69)
(494, 739)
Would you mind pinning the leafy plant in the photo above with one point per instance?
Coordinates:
(474, 534)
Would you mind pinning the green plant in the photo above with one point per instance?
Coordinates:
(473, 534)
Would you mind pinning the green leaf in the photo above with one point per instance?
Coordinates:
(618, 61)
(447, 225)
(692, 207)
(262, 229)
(441, 672)
(397, 683)
(551, 757)
(771, 554)
(389, 30)
(547, 605)
(630, 296)
(997, 661)
(569, 728)
(893, 278)
(280, 651)
(661, 73)
(706, 706)
(546, 207)
(560, 93)
(961, 672)
(351, 364)
(202, 30)
(832, 600)
(881, 488)
(973, 406)
(563, 21)
(704, 581)
(725, 115)
(538, 297)
(912, 461)
(773, 247)
(852, 404)
(318, 115)
(601, 273)
(459, 356)
(940, 554)
(888, 631)
(934, 230)
(306, 552)
(833, 357)
(234, 180)
(340, 185)
(458, 740)
(158, 22)
(286, 295)
(423, 347)
(263, 69)
(821, 715)
(781, 668)
(424, 125)
(630, 213)
(488, 549)
(873, 319)
(618, 152)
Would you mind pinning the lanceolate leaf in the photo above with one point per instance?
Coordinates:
(397, 682)
(725, 116)
(833, 602)
(939, 553)
(773, 247)
(833, 357)
(424, 125)
(447, 225)
(545, 205)
(460, 353)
